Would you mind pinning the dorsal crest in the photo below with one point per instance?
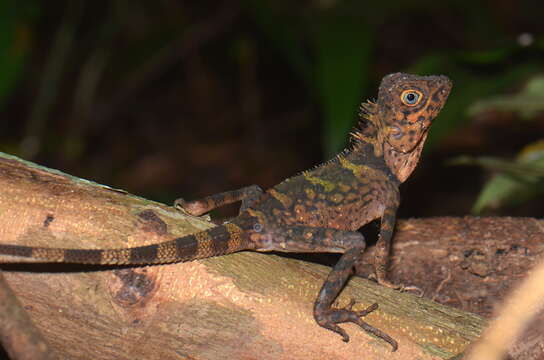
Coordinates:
(365, 132)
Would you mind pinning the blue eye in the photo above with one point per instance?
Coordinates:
(410, 97)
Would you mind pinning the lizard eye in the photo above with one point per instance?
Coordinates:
(411, 97)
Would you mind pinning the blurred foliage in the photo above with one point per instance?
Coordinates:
(527, 103)
(515, 182)
(76, 67)
(342, 38)
(330, 45)
(15, 44)
(336, 67)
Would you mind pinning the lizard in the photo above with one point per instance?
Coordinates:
(318, 210)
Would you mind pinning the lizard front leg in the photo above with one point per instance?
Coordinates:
(309, 239)
(248, 195)
(383, 246)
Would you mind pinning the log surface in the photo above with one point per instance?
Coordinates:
(241, 306)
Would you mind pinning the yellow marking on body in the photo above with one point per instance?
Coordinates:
(361, 171)
(327, 185)
(357, 170)
(235, 240)
(285, 200)
(258, 214)
(204, 244)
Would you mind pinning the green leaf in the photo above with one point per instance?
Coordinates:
(516, 182)
(527, 103)
(504, 190)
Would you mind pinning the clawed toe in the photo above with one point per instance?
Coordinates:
(350, 305)
(332, 317)
(416, 290)
(368, 310)
(401, 287)
(387, 283)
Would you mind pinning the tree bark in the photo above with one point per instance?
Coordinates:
(240, 306)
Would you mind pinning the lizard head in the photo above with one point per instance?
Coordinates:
(407, 105)
(398, 122)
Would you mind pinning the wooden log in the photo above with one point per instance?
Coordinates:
(240, 306)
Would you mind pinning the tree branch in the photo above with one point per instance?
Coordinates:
(244, 305)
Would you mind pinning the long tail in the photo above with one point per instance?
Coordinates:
(216, 241)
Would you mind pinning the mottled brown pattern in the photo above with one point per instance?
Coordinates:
(317, 211)
(285, 200)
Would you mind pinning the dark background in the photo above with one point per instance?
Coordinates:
(189, 98)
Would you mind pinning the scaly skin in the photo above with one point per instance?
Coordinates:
(319, 210)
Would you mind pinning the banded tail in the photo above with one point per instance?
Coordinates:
(220, 240)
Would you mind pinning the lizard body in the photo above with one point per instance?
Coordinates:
(318, 210)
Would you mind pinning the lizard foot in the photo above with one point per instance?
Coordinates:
(330, 318)
(400, 287)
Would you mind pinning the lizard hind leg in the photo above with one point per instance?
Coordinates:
(329, 317)
(311, 239)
